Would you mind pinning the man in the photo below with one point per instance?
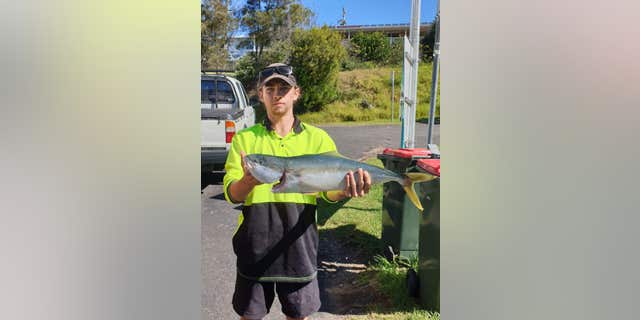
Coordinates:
(276, 241)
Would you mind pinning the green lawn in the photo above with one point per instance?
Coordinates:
(358, 224)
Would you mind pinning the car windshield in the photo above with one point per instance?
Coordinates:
(216, 91)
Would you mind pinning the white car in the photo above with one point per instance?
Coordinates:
(224, 110)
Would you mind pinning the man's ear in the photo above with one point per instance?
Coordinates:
(260, 95)
(298, 92)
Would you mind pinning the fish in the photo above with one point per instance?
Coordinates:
(324, 172)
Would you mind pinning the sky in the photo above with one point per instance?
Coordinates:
(368, 11)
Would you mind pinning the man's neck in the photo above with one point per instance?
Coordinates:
(282, 125)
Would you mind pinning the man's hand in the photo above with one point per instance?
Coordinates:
(356, 185)
(239, 190)
(247, 179)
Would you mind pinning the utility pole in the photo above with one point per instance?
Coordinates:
(343, 21)
(434, 75)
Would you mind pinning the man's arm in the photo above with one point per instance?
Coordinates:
(240, 189)
(238, 182)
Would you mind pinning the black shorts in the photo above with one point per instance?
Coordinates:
(253, 299)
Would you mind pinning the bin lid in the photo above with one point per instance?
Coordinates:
(407, 153)
(431, 166)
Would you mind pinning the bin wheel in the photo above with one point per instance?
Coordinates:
(413, 285)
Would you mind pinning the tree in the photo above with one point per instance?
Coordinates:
(273, 21)
(248, 66)
(372, 46)
(427, 42)
(397, 52)
(217, 26)
(315, 58)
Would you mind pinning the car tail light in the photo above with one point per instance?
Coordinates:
(230, 130)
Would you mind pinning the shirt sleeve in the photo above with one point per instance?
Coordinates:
(233, 167)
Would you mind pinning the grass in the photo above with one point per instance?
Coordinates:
(413, 315)
(358, 223)
(373, 87)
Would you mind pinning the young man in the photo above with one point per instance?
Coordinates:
(276, 242)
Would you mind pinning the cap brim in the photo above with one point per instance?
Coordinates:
(277, 76)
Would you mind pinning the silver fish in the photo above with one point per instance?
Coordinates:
(323, 172)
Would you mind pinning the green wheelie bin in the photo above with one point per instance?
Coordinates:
(429, 238)
(400, 218)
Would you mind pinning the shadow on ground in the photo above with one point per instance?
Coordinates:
(207, 178)
(354, 240)
(346, 286)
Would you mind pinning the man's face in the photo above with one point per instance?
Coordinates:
(278, 97)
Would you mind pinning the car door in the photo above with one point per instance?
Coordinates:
(248, 116)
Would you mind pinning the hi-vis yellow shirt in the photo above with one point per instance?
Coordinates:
(277, 236)
(260, 139)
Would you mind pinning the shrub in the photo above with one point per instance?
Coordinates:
(397, 52)
(371, 47)
(315, 57)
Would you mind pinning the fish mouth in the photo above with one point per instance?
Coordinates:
(278, 186)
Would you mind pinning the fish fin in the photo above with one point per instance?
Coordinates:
(419, 177)
(411, 193)
(408, 186)
(280, 186)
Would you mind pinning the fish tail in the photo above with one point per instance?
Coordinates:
(408, 185)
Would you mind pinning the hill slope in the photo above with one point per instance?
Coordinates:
(365, 95)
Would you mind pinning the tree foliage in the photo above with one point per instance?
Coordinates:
(426, 44)
(273, 21)
(396, 55)
(373, 46)
(315, 57)
(217, 26)
(248, 66)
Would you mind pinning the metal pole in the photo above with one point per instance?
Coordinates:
(393, 91)
(434, 76)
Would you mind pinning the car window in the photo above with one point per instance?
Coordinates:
(216, 91)
(207, 91)
(225, 92)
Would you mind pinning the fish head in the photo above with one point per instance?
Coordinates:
(267, 169)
